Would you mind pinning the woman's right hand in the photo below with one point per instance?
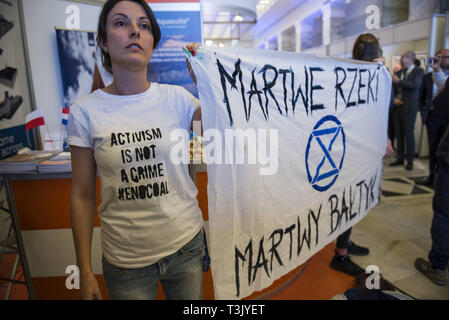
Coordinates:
(89, 289)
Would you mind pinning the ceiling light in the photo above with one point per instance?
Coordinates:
(238, 17)
(221, 44)
(209, 43)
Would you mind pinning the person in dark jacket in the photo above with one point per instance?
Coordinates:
(434, 268)
(429, 115)
(408, 84)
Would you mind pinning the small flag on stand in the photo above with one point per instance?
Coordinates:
(64, 120)
(34, 119)
(65, 115)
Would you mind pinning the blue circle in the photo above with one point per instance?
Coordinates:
(309, 176)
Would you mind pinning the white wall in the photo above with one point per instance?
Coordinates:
(41, 18)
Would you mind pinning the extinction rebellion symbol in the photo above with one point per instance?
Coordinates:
(325, 153)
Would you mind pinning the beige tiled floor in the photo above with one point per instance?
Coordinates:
(397, 231)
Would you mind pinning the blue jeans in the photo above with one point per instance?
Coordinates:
(181, 276)
(439, 253)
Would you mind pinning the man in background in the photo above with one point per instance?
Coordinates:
(406, 105)
(432, 117)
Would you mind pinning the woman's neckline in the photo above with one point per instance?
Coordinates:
(126, 96)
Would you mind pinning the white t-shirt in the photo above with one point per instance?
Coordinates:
(148, 204)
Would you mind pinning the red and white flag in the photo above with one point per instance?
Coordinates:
(34, 119)
(65, 115)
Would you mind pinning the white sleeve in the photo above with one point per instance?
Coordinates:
(439, 78)
(78, 133)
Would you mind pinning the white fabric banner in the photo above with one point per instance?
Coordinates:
(293, 145)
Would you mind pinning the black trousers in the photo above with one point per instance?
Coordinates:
(404, 126)
(439, 253)
(435, 131)
(343, 239)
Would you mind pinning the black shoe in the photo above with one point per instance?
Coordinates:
(356, 250)
(345, 264)
(427, 181)
(409, 166)
(396, 163)
(436, 275)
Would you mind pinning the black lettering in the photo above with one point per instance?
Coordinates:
(126, 156)
(333, 200)
(224, 75)
(142, 192)
(305, 98)
(313, 88)
(289, 231)
(338, 88)
(316, 219)
(113, 139)
(156, 133)
(148, 135)
(137, 136)
(369, 89)
(360, 185)
(349, 102)
(284, 78)
(156, 189)
(377, 82)
(268, 86)
(121, 194)
(305, 236)
(160, 168)
(132, 172)
(344, 207)
(351, 203)
(361, 85)
(373, 180)
(261, 261)
(239, 255)
(121, 137)
(253, 91)
(273, 249)
(124, 176)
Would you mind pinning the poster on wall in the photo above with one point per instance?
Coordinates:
(293, 145)
(80, 63)
(168, 64)
(15, 101)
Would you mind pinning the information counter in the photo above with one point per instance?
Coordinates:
(43, 207)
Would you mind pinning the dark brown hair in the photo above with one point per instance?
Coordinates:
(366, 48)
(101, 32)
